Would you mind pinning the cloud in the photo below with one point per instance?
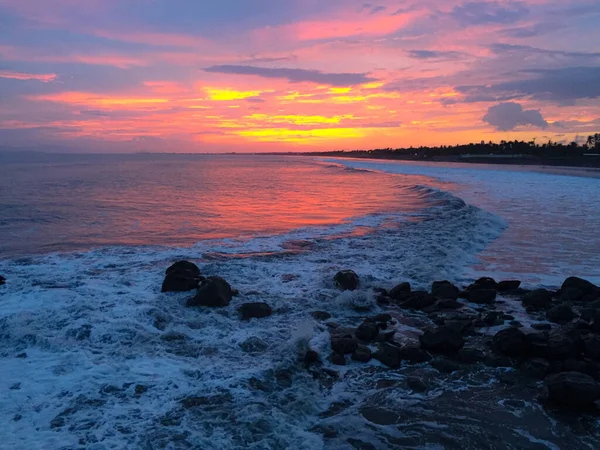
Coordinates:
(508, 116)
(296, 75)
(482, 13)
(377, 9)
(433, 54)
(44, 77)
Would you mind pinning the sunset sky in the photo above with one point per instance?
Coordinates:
(269, 75)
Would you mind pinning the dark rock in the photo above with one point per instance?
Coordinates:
(362, 354)
(383, 300)
(328, 432)
(539, 299)
(2, 280)
(482, 296)
(563, 345)
(388, 355)
(15, 387)
(386, 336)
(561, 314)
(541, 326)
(591, 347)
(234, 292)
(444, 289)
(444, 340)
(254, 345)
(346, 280)
(483, 284)
(140, 389)
(254, 311)
(584, 286)
(571, 294)
(17, 417)
(444, 365)
(471, 355)
(575, 365)
(416, 384)
(173, 336)
(418, 300)
(57, 422)
(509, 285)
(516, 324)
(367, 331)
(510, 342)
(536, 368)
(399, 291)
(414, 354)
(182, 276)
(572, 389)
(448, 303)
(338, 359)
(310, 357)
(22, 355)
(213, 292)
(463, 326)
(494, 319)
(508, 317)
(493, 360)
(320, 315)
(357, 444)
(343, 343)
(380, 416)
(382, 318)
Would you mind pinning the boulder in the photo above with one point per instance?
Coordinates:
(367, 331)
(471, 355)
(482, 296)
(444, 289)
(182, 276)
(418, 300)
(416, 384)
(494, 318)
(362, 354)
(510, 342)
(584, 286)
(2, 280)
(508, 285)
(346, 280)
(536, 368)
(213, 292)
(541, 326)
(388, 355)
(485, 283)
(447, 304)
(539, 299)
(444, 365)
(591, 347)
(399, 291)
(254, 310)
(444, 340)
(572, 389)
(560, 314)
(254, 345)
(414, 354)
(564, 345)
(337, 359)
(310, 357)
(343, 343)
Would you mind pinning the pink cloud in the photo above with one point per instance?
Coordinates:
(44, 78)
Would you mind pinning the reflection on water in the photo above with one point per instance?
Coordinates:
(74, 202)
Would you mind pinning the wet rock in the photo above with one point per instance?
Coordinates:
(385, 336)
(444, 365)
(535, 368)
(448, 304)
(2, 280)
(398, 292)
(564, 345)
(57, 422)
(382, 318)
(508, 285)
(418, 300)
(516, 324)
(140, 389)
(482, 296)
(357, 444)
(343, 343)
(15, 387)
(213, 292)
(442, 340)
(471, 355)
(494, 319)
(337, 359)
(388, 355)
(575, 365)
(383, 300)
(17, 417)
(367, 331)
(572, 389)
(578, 284)
(336, 408)
(254, 345)
(346, 280)
(560, 314)
(80, 334)
(591, 347)
(485, 283)
(444, 289)
(22, 355)
(328, 432)
(416, 384)
(255, 310)
(320, 315)
(510, 342)
(181, 277)
(173, 336)
(380, 416)
(362, 354)
(414, 354)
(541, 326)
(539, 299)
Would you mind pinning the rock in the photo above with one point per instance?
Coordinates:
(591, 347)
(485, 283)
(536, 368)
(471, 355)
(2, 280)
(509, 285)
(539, 299)
(22, 355)
(516, 324)
(442, 340)
(310, 357)
(382, 318)
(444, 289)
(414, 354)
(320, 315)
(399, 291)
(572, 389)
(367, 331)
(584, 286)
(386, 336)
(15, 387)
(448, 304)
(561, 314)
(494, 319)
(357, 444)
(380, 416)
(541, 326)
(362, 354)
(482, 296)
(444, 365)
(388, 355)
(57, 422)
(254, 310)
(343, 343)
(337, 359)
(254, 345)
(182, 276)
(575, 365)
(173, 336)
(213, 292)
(328, 432)
(563, 345)
(510, 342)
(416, 384)
(346, 280)
(140, 389)
(418, 300)
(383, 300)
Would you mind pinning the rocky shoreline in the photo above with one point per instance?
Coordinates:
(561, 348)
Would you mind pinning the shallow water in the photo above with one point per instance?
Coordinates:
(94, 325)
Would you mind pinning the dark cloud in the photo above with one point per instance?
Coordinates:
(295, 75)
(432, 54)
(564, 86)
(266, 60)
(255, 100)
(508, 116)
(481, 13)
(539, 29)
(377, 9)
(501, 49)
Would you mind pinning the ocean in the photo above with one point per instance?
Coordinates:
(86, 240)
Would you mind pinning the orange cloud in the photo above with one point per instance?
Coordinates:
(99, 101)
(44, 78)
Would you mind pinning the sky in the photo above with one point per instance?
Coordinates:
(295, 75)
